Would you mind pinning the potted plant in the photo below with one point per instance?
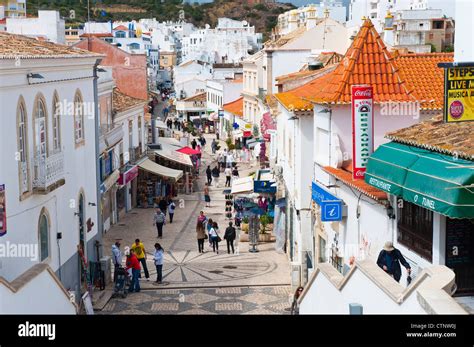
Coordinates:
(264, 221)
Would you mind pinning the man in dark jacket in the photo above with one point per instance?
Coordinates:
(194, 144)
(389, 260)
(209, 175)
(229, 236)
(163, 205)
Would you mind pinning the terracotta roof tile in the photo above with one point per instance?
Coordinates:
(366, 189)
(17, 46)
(436, 135)
(197, 97)
(422, 72)
(122, 102)
(235, 107)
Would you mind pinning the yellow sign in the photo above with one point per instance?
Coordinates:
(248, 126)
(459, 94)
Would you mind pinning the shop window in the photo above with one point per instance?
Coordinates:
(415, 229)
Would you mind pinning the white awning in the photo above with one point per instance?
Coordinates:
(170, 152)
(160, 124)
(160, 170)
(171, 141)
(242, 185)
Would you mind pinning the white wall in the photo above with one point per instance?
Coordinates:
(464, 40)
(324, 298)
(42, 295)
(79, 163)
(48, 24)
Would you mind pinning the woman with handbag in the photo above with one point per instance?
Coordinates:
(215, 238)
(201, 236)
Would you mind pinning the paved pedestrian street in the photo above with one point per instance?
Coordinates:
(196, 301)
(208, 283)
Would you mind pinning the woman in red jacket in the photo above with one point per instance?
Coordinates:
(134, 264)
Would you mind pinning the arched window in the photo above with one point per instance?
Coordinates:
(78, 119)
(40, 129)
(43, 235)
(56, 124)
(22, 136)
(120, 34)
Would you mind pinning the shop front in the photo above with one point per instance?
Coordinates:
(155, 182)
(128, 180)
(108, 189)
(434, 206)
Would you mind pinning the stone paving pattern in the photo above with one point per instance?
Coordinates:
(255, 283)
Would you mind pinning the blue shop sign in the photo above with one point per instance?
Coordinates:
(331, 206)
(264, 187)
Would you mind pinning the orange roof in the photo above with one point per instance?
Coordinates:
(197, 97)
(121, 27)
(97, 35)
(235, 107)
(346, 177)
(367, 61)
(421, 71)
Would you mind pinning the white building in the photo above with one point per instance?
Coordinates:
(220, 93)
(376, 10)
(190, 78)
(50, 185)
(48, 25)
(230, 42)
(307, 15)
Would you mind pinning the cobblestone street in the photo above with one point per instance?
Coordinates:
(208, 283)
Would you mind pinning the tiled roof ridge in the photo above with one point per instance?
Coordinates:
(355, 51)
(419, 55)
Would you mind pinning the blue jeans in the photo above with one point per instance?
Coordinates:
(135, 285)
(159, 273)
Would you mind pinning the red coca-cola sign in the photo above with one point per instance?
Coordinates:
(362, 129)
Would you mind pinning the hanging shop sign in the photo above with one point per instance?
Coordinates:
(362, 129)
(3, 211)
(264, 187)
(247, 134)
(331, 206)
(129, 175)
(459, 93)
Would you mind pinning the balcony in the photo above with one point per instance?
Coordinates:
(48, 173)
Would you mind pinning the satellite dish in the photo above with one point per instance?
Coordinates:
(245, 23)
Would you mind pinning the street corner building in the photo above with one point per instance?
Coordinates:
(48, 173)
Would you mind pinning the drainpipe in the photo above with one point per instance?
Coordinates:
(97, 150)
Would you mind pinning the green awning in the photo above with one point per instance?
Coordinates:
(437, 182)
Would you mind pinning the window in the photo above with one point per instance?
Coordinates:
(322, 250)
(22, 147)
(56, 124)
(140, 132)
(120, 34)
(322, 149)
(78, 119)
(43, 234)
(415, 229)
(130, 134)
(40, 129)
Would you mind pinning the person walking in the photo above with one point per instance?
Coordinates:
(202, 217)
(214, 146)
(207, 197)
(194, 144)
(235, 173)
(295, 310)
(214, 234)
(229, 236)
(171, 209)
(116, 258)
(163, 205)
(209, 175)
(159, 259)
(215, 174)
(222, 159)
(228, 176)
(139, 250)
(201, 236)
(209, 225)
(389, 260)
(159, 219)
(133, 264)
(229, 159)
